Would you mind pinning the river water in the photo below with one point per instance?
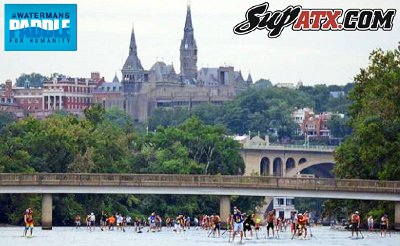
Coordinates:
(12, 236)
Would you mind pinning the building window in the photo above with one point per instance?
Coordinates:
(289, 202)
(280, 201)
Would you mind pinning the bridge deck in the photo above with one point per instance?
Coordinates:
(166, 180)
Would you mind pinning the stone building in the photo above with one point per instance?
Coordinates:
(108, 94)
(161, 86)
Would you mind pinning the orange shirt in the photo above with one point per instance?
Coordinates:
(302, 220)
(111, 220)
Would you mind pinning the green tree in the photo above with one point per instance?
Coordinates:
(94, 113)
(120, 119)
(192, 147)
(35, 79)
(339, 126)
(168, 117)
(6, 118)
(262, 84)
(373, 151)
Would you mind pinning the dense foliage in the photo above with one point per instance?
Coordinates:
(372, 151)
(263, 109)
(34, 79)
(105, 142)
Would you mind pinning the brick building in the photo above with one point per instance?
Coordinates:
(29, 99)
(71, 94)
(313, 125)
(7, 101)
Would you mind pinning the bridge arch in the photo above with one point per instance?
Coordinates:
(299, 168)
(277, 167)
(264, 166)
(290, 163)
(302, 161)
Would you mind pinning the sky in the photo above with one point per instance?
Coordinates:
(104, 32)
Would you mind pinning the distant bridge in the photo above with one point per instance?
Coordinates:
(284, 160)
(223, 186)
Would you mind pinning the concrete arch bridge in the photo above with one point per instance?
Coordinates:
(287, 160)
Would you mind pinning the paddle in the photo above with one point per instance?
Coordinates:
(211, 231)
(311, 232)
(362, 236)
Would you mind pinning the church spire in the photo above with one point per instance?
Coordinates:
(188, 50)
(115, 80)
(132, 69)
(249, 79)
(132, 45)
(133, 61)
(188, 22)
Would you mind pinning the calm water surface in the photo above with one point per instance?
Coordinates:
(81, 237)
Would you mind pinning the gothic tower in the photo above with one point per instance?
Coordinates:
(188, 51)
(134, 79)
(133, 71)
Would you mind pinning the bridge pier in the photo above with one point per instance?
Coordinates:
(224, 208)
(397, 215)
(47, 211)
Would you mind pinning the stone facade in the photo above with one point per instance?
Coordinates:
(160, 86)
(108, 94)
(188, 52)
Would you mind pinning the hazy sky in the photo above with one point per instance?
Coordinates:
(104, 31)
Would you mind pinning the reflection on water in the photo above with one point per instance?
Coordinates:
(81, 237)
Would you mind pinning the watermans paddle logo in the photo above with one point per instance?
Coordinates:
(40, 27)
(259, 17)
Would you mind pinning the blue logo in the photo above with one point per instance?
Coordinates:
(40, 27)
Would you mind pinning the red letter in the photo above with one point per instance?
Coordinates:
(318, 14)
(331, 22)
(303, 22)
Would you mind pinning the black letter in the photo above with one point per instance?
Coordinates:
(384, 21)
(350, 22)
(365, 19)
(252, 19)
(280, 20)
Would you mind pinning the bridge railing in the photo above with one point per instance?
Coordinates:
(173, 180)
(323, 148)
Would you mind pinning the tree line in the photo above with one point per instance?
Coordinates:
(265, 109)
(107, 142)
